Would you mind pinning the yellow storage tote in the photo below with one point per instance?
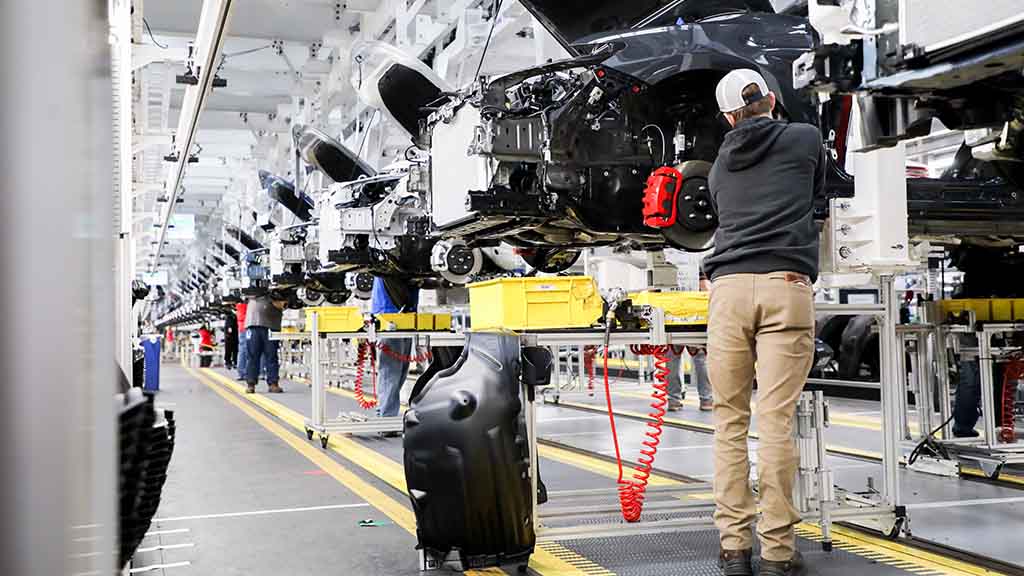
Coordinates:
(403, 322)
(535, 303)
(335, 318)
(1002, 309)
(1018, 308)
(982, 307)
(681, 308)
(433, 321)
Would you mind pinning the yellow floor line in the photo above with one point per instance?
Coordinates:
(569, 457)
(894, 553)
(398, 513)
(543, 561)
(837, 418)
(886, 551)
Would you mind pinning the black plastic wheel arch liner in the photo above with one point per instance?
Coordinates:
(331, 156)
(283, 192)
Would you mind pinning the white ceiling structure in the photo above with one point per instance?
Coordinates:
(285, 62)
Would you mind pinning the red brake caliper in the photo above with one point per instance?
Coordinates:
(660, 197)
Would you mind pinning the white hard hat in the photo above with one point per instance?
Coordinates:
(730, 90)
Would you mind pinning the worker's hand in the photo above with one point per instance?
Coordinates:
(280, 304)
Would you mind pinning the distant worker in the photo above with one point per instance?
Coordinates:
(230, 340)
(262, 317)
(243, 347)
(763, 186)
(392, 296)
(698, 371)
(205, 346)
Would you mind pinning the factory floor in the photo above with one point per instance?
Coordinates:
(247, 493)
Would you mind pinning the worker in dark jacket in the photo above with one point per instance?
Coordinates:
(230, 340)
(262, 317)
(763, 185)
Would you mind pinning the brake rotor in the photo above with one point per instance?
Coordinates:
(696, 223)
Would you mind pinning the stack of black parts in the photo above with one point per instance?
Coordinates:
(146, 445)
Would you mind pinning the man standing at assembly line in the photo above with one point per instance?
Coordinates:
(262, 317)
(391, 296)
(765, 260)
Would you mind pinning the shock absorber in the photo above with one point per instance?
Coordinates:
(633, 490)
(365, 351)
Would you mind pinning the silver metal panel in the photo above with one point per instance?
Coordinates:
(939, 24)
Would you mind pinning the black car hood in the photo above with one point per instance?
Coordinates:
(571, 20)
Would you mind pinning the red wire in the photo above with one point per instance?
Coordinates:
(632, 491)
(364, 351)
(1014, 372)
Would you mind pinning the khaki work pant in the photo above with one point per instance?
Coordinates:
(763, 325)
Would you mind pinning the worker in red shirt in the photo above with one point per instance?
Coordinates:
(243, 355)
(205, 346)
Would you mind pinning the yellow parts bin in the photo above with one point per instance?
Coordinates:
(535, 303)
(335, 318)
(398, 322)
(681, 308)
(986, 309)
(411, 321)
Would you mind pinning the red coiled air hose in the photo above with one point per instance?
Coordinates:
(402, 357)
(632, 491)
(588, 364)
(365, 350)
(1014, 372)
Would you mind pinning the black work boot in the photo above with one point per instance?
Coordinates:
(793, 567)
(735, 562)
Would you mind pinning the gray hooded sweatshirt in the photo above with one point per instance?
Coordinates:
(763, 186)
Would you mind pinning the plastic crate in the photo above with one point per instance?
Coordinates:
(1018, 308)
(982, 308)
(681, 308)
(535, 303)
(1002, 309)
(398, 322)
(426, 321)
(335, 318)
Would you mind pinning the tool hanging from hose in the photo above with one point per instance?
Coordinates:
(1011, 376)
(632, 491)
(365, 350)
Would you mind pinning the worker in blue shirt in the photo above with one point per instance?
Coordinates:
(390, 296)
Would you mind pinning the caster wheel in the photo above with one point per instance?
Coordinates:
(323, 441)
(826, 546)
(309, 434)
(522, 568)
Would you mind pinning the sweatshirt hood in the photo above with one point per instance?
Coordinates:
(748, 143)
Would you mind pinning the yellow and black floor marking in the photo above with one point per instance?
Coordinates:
(543, 561)
(575, 560)
(554, 559)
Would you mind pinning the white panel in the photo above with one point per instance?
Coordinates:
(870, 230)
(936, 24)
(453, 171)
